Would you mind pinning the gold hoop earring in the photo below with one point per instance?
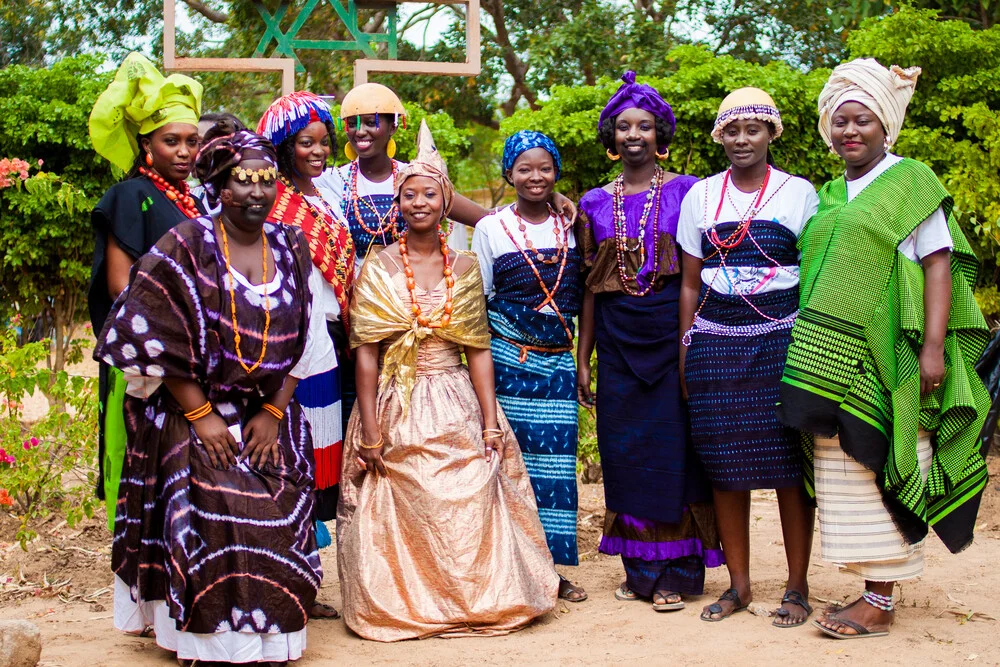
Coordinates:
(349, 151)
(149, 159)
(613, 156)
(664, 155)
(390, 148)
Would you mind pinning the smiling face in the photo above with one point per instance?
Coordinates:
(173, 148)
(746, 142)
(244, 202)
(312, 148)
(371, 138)
(421, 203)
(635, 136)
(533, 175)
(857, 136)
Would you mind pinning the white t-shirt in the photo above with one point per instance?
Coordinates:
(490, 241)
(788, 201)
(930, 236)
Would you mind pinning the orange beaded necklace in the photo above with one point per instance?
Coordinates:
(411, 284)
(183, 200)
(232, 300)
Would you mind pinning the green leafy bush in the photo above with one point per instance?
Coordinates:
(49, 463)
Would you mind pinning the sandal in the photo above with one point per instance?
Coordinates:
(667, 606)
(862, 631)
(322, 611)
(626, 594)
(793, 597)
(715, 608)
(570, 592)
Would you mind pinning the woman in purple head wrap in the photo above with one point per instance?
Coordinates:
(660, 517)
(214, 547)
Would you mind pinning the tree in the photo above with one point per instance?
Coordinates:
(46, 242)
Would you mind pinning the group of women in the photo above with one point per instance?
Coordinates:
(284, 344)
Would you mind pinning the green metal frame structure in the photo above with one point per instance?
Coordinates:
(287, 41)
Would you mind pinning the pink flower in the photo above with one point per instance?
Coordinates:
(40, 162)
(16, 319)
(34, 442)
(27, 445)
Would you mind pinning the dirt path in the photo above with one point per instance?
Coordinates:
(930, 628)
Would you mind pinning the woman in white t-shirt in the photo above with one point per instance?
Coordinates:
(739, 299)
(530, 266)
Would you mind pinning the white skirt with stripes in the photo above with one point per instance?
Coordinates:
(856, 530)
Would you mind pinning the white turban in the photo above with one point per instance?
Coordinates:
(885, 91)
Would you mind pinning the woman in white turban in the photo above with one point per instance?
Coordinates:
(880, 369)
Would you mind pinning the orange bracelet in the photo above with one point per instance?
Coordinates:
(273, 411)
(198, 413)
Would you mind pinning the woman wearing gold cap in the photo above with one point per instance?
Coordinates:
(437, 529)
(739, 298)
(146, 125)
(880, 367)
(371, 114)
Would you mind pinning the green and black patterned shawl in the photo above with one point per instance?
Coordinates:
(853, 364)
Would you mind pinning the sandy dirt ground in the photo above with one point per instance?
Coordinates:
(946, 618)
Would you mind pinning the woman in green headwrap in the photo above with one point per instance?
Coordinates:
(146, 125)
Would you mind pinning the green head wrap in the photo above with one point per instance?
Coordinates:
(138, 101)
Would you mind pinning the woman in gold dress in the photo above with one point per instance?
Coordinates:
(438, 532)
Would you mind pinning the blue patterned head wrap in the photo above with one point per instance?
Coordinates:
(525, 140)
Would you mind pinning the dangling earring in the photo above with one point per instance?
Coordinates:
(149, 159)
(349, 151)
(886, 143)
(664, 155)
(390, 148)
(613, 156)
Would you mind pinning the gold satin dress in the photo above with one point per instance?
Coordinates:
(448, 544)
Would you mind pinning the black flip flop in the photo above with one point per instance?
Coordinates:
(793, 597)
(862, 631)
(730, 595)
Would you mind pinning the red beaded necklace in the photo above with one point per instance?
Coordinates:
(411, 283)
(182, 200)
(387, 222)
(740, 232)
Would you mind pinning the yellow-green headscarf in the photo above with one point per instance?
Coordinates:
(138, 101)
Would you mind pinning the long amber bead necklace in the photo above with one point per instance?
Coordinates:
(232, 299)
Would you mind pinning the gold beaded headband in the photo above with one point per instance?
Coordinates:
(267, 174)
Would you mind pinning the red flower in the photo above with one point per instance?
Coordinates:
(5, 498)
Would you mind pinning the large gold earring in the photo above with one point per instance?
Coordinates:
(349, 151)
(664, 155)
(613, 156)
(390, 148)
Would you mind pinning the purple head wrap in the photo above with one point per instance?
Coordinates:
(632, 95)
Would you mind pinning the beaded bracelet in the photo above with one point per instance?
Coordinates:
(381, 441)
(198, 413)
(273, 411)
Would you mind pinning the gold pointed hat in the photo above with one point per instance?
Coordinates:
(428, 163)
